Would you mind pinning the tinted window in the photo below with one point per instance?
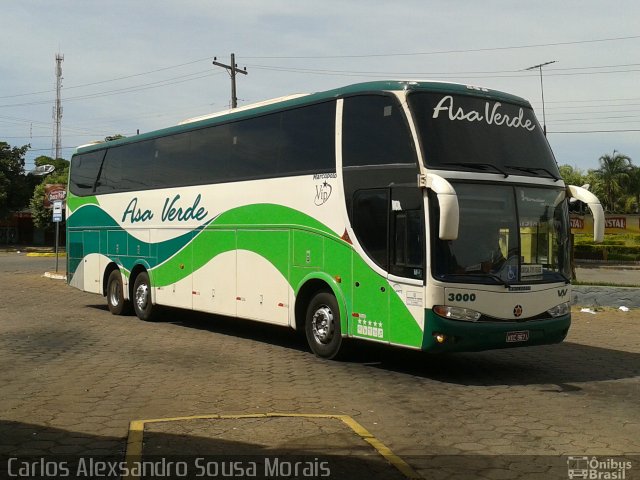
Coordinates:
(283, 143)
(254, 149)
(128, 167)
(308, 139)
(210, 153)
(84, 172)
(370, 219)
(375, 132)
(407, 233)
(469, 133)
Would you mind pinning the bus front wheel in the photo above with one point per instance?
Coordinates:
(322, 325)
(142, 305)
(115, 295)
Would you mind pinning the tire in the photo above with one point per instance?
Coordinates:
(322, 325)
(142, 305)
(115, 295)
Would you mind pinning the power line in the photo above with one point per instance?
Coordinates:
(595, 100)
(595, 106)
(314, 57)
(137, 88)
(600, 131)
(440, 75)
(443, 52)
(111, 79)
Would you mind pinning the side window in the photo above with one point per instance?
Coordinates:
(127, 167)
(254, 147)
(408, 244)
(170, 162)
(375, 132)
(210, 153)
(84, 172)
(407, 233)
(308, 139)
(370, 219)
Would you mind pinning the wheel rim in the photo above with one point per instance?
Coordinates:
(114, 294)
(322, 324)
(142, 296)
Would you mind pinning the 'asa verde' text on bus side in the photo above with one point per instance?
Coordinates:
(171, 211)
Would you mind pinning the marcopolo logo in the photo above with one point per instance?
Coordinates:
(596, 468)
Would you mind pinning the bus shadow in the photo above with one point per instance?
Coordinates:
(235, 327)
(559, 365)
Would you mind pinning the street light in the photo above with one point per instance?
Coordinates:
(42, 170)
(539, 67)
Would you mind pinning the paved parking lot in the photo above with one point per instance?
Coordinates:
(73, 377)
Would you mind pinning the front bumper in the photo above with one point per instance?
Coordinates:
(461, 336)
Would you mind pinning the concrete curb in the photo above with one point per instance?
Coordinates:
(55, 276)
(592, 296)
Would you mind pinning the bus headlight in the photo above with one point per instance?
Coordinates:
(457, 313)
(559, 310)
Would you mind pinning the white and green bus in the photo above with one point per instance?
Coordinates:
(419, 214)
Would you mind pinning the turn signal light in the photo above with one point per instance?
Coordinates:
(440, 337)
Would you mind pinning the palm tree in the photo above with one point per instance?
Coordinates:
(614, 174)
(634, 186)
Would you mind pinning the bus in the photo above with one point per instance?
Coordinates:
(424, 215)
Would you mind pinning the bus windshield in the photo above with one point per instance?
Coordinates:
(507, 234)
(460, 132)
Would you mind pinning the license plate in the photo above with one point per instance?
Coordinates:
(521, 336)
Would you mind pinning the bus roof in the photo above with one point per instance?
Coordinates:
(297, 100)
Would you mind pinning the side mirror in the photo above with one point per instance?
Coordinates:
(448, 202)
(594, 205)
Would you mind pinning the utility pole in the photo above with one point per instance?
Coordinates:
(57, 110)
(233, 70)
(544, 119)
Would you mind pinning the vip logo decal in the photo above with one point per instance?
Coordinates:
(323, 192)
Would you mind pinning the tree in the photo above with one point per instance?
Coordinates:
(14, 186)
(571, 176)
(634, 188)
(614, 175)
(41, 215)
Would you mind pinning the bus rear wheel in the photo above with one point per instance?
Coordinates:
(115, 295)
(322, 325)
(142, 305)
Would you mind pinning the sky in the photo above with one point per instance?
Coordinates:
(140, 65)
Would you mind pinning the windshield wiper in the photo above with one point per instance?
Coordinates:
(478, 166)
(534, 170)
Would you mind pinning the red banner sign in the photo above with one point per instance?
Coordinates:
(53, 192)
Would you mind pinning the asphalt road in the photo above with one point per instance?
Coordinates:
(616, 275)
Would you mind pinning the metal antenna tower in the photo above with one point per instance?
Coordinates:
(57, 110)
